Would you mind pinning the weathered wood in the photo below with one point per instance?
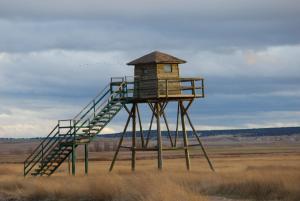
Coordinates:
(177, 122)
(159, 140)
(149, 131)
(200, 143)
(141, 127)
(185, 140)
(69, 164)
(121, 141)
(168, 129)
(133, 153)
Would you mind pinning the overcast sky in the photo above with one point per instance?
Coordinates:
(56, 55)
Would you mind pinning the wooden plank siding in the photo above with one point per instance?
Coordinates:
(150, 81)
(145, 81)
(173, 87)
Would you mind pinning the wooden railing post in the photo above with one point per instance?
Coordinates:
(202, 87)
(167, 88)
(158, 92)
(193, 88)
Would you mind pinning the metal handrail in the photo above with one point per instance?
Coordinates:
(48, 143)
(41, 156)
(41, 144)
(99, 94)
(38, 153)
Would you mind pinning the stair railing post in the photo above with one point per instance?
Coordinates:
(42, 151)
(72, 129)
(74, 150)
(94, 107)
(58, 128)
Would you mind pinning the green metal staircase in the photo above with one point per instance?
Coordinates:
(68, 134)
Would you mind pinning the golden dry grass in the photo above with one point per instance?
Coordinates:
(259, 177)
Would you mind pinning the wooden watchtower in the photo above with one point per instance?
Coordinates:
(157, 82)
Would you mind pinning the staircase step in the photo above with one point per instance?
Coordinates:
(96, 123)
(103, 113)
(88, 130)
(59, 152)
(104, 116)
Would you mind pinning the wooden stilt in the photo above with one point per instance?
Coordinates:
(121, 141)
(69, 164)
(159, 140)
(177, 122)
(168, 129)
(141, 127)
(149, 131)
(185, 140)
(133, 151)
(200, 143)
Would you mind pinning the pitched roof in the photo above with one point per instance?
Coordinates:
(156, 57)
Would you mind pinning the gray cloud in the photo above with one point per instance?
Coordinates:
(142, 25)
(56, 55)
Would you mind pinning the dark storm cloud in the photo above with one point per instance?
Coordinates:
(30, 25)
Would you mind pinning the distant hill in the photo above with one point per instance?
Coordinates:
(256, 132)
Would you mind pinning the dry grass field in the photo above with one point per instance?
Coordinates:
(256, 171)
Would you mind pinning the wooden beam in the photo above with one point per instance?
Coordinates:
(149, 131)
(133, 154)
(159, 140)
(185, 140)
(141, 127)
(167, 125)
(120, 142)
(177, 122)
(200, 143)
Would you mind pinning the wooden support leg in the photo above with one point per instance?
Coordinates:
(69, 164)
(168, 129)
(133, 149)
(73, 159)
(159, 140)
(120, 142)
(185, 140)
(177, 122)
(86, 159)
(141, 127)
(200, 143)
(149, 131)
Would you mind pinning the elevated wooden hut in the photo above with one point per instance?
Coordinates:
(156, 75)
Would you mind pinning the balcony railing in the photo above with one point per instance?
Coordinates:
(161, 88)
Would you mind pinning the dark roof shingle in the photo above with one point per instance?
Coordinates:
(156, 57)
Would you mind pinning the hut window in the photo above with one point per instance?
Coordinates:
(168, 68)
(145, 71)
